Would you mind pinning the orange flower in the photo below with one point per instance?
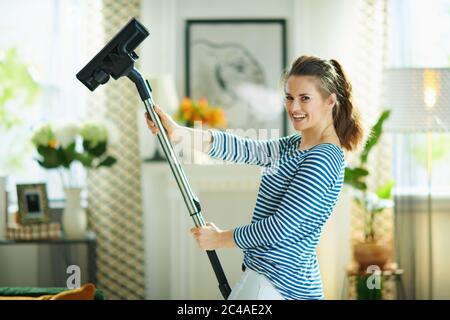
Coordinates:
(202, 102)
(208, 116)
(196, 117)
(186, 104)
(187, 114)
(191, 111)
(53, 144)
(216, 118)
(219, 118)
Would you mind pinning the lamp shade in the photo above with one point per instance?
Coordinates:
(164, 92)
(419, 99)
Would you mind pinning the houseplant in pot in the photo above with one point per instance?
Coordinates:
(61, 147)
(372, 250)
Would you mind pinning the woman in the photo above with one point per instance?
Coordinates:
(294, 201)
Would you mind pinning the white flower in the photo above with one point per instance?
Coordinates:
(383, 204)
(94, 132)
(375, 203)
(43, 136)
(99, 131)
(66, 133)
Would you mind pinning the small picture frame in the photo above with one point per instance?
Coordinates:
(33, 203)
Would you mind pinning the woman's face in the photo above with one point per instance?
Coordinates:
(305, 105)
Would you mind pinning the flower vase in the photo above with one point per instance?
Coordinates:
(74, 218)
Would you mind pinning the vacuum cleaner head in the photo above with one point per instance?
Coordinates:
(116, 59)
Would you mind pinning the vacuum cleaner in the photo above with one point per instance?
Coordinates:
(117, 59)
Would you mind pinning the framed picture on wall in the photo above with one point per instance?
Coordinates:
(238, 65)
(33, 203)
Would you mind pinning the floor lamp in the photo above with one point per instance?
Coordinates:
(420, 102)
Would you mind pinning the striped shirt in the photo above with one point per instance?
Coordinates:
(297, 193)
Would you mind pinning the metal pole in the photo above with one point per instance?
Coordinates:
(190, 199)
(430, 214)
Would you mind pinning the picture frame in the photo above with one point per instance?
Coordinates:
(237, 65)
(33, 203)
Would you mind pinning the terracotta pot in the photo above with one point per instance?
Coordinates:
(372, 253)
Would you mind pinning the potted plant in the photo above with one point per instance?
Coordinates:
(61, 147)
(372, 250)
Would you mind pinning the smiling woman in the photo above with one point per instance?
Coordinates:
(302, 178)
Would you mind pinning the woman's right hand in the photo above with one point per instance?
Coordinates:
(167, 121)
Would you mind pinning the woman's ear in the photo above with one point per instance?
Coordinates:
(332, 100)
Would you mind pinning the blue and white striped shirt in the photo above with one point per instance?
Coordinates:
(297, 193)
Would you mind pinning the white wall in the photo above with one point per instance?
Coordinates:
(316, 27)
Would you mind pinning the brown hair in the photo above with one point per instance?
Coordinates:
(332, 79)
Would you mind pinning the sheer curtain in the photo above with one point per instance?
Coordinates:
(424, 44)
(411, 218)
(50, 35)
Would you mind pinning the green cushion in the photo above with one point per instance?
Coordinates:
(36, 292)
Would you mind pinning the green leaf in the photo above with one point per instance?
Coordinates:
(47, 165)
(375, 135)
(49, 156)
(67, 155)
(385, 191)
(96, 151)
(355, 177)
(358, 185)
(107, 162)
(85, 159)
(44, 150)
(357, 172)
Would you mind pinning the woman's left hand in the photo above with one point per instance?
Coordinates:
(211, 237)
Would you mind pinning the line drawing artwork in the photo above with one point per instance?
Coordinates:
(231, 77)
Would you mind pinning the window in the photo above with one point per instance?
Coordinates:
(51, 35)
(420, 37)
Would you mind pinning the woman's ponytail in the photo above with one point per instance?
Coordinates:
(346, 118)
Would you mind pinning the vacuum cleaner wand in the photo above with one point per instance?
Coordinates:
(117, 59)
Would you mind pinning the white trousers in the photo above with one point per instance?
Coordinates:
(254, 286)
